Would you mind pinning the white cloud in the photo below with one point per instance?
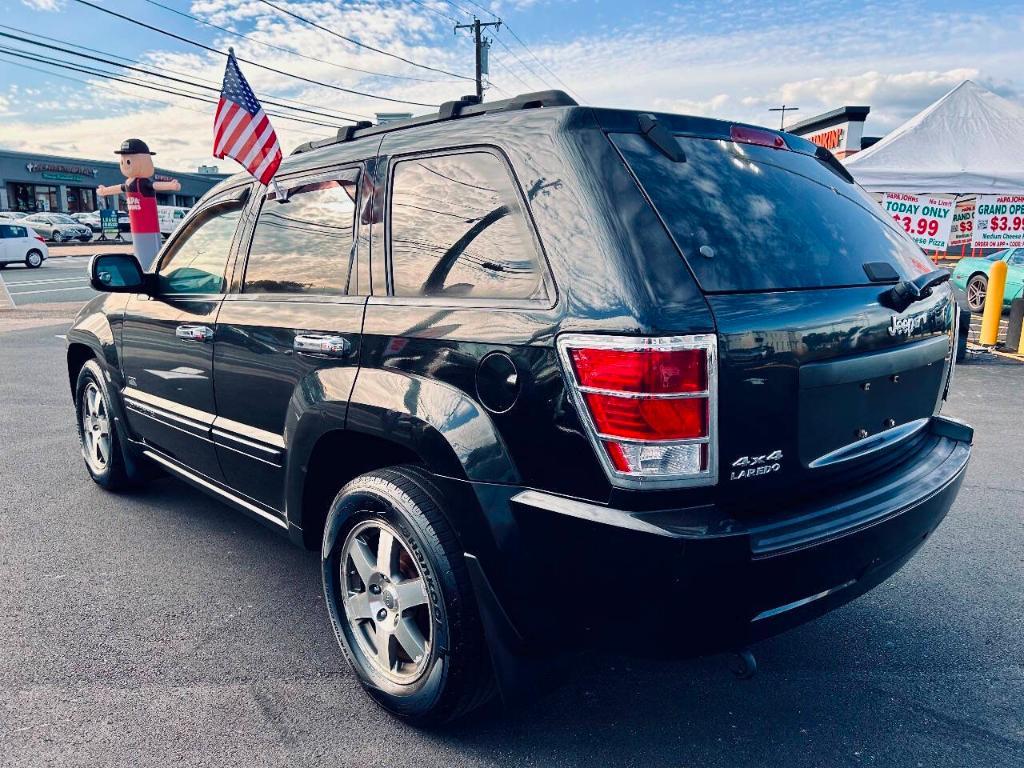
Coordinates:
(43, 5)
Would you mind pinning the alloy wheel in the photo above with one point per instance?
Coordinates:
(385, 602)
(95, 429)
(977, 287)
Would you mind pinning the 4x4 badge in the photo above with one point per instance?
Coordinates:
(755, 466)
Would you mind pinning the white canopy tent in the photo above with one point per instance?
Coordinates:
(970, 141)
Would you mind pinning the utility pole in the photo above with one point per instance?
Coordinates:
(482, 46)
(782, 118)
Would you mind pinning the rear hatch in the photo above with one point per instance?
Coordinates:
(818, 381)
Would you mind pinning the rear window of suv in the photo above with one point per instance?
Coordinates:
(750, 218)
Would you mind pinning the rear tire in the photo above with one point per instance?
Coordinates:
(368, 593)
(34, 259)
(977, 288)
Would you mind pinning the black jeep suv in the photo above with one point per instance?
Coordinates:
(534, 376)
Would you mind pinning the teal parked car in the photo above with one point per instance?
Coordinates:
(971, 277)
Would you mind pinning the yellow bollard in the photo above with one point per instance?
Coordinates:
(993, 304)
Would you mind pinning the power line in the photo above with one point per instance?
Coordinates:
(284, 49)
(459, 8)
(272, 102)
(114, 89)
(352, 40)
(434, 10)
(522, 63)
(535, 58)
(343, 113)
(31, 56)
(248, 61)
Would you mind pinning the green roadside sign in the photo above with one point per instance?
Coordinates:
(108, 222)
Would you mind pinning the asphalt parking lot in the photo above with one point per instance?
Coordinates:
(162, 628)
(59, 279)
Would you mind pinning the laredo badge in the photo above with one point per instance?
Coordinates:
(755, 466)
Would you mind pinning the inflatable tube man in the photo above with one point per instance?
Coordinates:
(140, 191)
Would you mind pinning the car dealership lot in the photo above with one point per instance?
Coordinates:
(162, 628)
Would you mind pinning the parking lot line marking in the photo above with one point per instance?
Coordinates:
(6, 302)
(52, 290)
(45, 282)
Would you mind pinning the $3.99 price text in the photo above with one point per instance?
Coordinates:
(1006, 223)
(918, 226)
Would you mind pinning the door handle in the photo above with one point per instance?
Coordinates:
(194, 333)
(311, 344)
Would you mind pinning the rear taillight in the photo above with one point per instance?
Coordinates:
(40, 238)
(648, 404)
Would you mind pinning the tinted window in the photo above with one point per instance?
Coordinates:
(199, 257)
(8, 231)
(754, 218)
(458, 230)
(304, 245)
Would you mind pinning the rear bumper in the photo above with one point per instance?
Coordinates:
(680, 582)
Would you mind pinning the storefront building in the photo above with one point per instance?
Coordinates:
(31, 182)
(841, 130)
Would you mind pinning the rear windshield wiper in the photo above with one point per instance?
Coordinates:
(906, 292)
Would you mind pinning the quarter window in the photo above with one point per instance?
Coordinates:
(9, 232)
(198, 259)
(458, 229)
(305, 245)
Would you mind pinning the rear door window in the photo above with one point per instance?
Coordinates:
(305, 245)
(750, 218)
(458, 230)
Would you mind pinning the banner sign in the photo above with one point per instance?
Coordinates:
(108, 222)
(926, 218)
(999, 221)
(963, 223)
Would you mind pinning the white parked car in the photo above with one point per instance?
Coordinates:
(58, 227)
(20, 245)
(170, 216)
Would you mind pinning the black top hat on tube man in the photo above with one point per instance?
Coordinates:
(140, 191)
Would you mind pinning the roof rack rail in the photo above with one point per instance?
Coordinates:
(467, 106)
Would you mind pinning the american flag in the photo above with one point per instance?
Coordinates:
(241, 130)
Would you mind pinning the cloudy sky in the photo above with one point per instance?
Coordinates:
(728, 58)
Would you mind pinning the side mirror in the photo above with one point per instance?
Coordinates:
(117, 273)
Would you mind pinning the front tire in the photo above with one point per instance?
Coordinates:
(977, 288)
(57, 237)
(97, 431)
(400, 599)
(34, 259)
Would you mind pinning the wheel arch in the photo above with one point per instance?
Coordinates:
(391, 418)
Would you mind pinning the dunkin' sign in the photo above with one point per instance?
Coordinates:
(831, 139)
